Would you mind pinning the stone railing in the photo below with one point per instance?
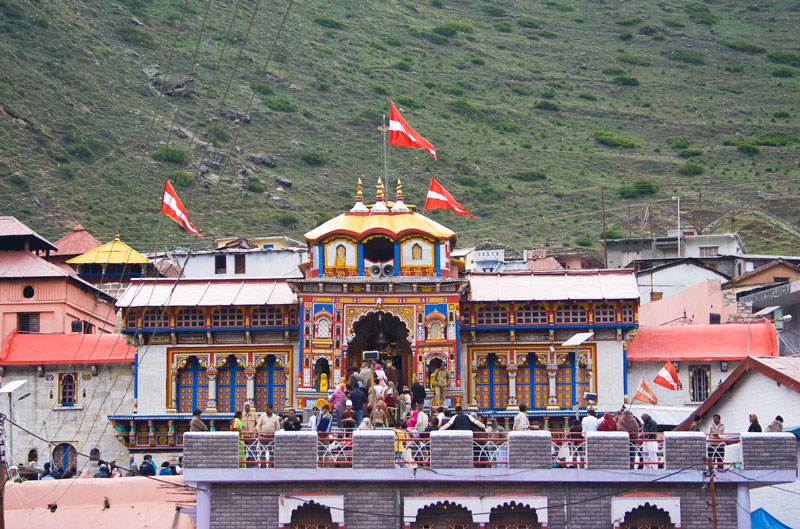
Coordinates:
(460, 449)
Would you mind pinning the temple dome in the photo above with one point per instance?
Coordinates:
(394, 225)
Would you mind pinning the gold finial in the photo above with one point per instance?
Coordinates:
(359, 191)
(116, 237)
(399, 190)
(379, 195)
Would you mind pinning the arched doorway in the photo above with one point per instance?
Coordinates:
(513, 516)
(430, 368)
(65, 456)
(443, 515)
(322, 375)
(312, 516)
(647, 517)
(386, 333)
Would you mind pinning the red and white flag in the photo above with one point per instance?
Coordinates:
(400, 133)
(644, 393)
(173, 208)
(668, 377)
(440, 198)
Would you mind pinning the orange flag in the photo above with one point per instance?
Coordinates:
(644, 393)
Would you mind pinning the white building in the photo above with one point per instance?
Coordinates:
(669, 279)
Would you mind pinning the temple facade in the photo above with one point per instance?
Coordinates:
(380, 283)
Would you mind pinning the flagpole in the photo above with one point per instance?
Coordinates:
(384, 129)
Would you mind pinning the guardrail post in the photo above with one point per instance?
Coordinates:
(451, 449)
(607, 450)
(684, 450)
(373, 449)
(295, 449)
(530, 449)
(211, 450)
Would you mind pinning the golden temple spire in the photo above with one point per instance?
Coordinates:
(359, 206)
(399, 206)
(380, 205)
(379, 197)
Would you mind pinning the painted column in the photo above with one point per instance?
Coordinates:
(552, 369)
(472, 402)
(512, 387)
(742, 506)
(173, 398)
(250, 392)
(211, 403)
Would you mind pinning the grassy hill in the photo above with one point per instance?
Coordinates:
(532, 106)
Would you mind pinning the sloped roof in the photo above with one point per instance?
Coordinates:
(76, 242)
(554, 286)
(727, 341)
(14, 233)
(395, 225)
(739, 280)
(33, 349)
(684, 261)
(785, 370)
(25, 265)
(206, 292)
(114, 252)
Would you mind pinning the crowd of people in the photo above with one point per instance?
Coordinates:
(111, 470)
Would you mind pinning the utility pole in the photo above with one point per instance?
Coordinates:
(700, 212)
(630, 232)
(678, 199)
(605, 237)
(712, 490)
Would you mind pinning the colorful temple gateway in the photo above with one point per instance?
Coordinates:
(380, 283)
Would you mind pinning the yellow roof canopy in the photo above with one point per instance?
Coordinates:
(114, 252)
(396, 225)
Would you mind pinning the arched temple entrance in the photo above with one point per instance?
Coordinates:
(443, 515)
(647, 517)
(386, 333)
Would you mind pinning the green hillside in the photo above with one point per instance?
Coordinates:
(532, 106)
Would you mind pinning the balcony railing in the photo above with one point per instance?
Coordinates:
(568, 450)
(489, 450)
(257, 450)
(412, 449)
(647, 451)
(335, 449)
(724, 449)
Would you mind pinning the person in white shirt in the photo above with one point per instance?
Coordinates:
(422, 418)
(521, 421)
(312, 421)
(590, 423)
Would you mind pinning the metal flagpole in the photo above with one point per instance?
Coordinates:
(383, 128)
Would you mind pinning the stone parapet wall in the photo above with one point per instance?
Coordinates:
(684, 450)
(373, 449)
(607, 450)
(769, 451)
(530, 449)
(295, 449)
(451, 449)
(210, 450)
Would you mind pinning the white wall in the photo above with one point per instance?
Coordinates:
(85, 425)
(152, 380)
(610, 380)
(274, 263)
(667, 397)
(727, 243)
(670, 281)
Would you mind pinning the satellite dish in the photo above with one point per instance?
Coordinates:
(388, 270)
(375, 271)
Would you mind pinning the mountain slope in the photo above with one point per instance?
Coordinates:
(531, 106)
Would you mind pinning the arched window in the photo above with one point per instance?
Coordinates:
(513, 516)
(94, 454)
(532, 315)
(33, 456)
(571, 314)
(322, 328)
(192, 386)
(67, 389)
(190, 318)
(270, 385)
(648, 516)
(228, 317)
(435, 330)
(699, 382)
(605, 314)
(443, 515)
(416, 252)
(267, 317)
(312, 516)
(231, 386)
(130, 319)
(492, 315)
(155, 318)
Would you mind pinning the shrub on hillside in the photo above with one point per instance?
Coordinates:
(503, 27)
(279, 103)
(688, 57)
(433, 38)
(409, 102)
(584, 241)
(181, 178)
(678, 142)
(494, 11)
(313, 158)
(66, 172)
(744, 144)
(776, 139)
(626, 36)
(783, 71)
(691, 169)
(169, 153)
(729, 88)
(519, 90)
(288, 220)
(742, 45)
(255, 186)
(690, 153)
(613, 70)
(547, 105)
(606, 138)
(132, 35)
(734, 68)
(529, 23)
(784, 57)
(641, 187)
(218, 134)
(529, 175)
(636, 61)
(629, 21)
(588, 96)
(672, 23)
(403, 66)
(701, 14)
(327, 22)
(626, 80)
(781, 114)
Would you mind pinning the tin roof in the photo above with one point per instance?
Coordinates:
(25, 265)
(32, 349)
(206, 292)
(727, 341)
(113, 252)
(76, 242)
(554, 286)
(14, 233)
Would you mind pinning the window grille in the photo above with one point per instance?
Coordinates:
(571, 314)
(28, 323)
(532, 315)
(699, 382)
(627, 314)
(228, 317)
(267, 317)
(494, 315)
(605, 314)
(191, 318)
(154, 318)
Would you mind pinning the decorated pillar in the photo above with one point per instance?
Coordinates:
(151, 434)
(173, 395)
(552, 370)
(511, 369)
(250, 393)
(171, 432)
(472, 402)
(211, 403)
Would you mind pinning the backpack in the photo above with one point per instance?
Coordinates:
(146, 469)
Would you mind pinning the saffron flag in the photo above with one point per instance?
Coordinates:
(400, 133)
(668, 377)
(644, 393)
(173, 208)
(440, 198)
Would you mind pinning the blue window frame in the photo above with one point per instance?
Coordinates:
(231, 386)
(192, 387)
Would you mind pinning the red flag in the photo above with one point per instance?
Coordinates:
(400, 133)
(173, 208)
(439, 198)
(668, 377)
(644, 393)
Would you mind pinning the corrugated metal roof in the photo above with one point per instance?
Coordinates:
(554, 286)
(113, 252)
(32, 349)
(727, 341)
(19, 265)
(76, 242)
(192, 293)
(11, 227)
